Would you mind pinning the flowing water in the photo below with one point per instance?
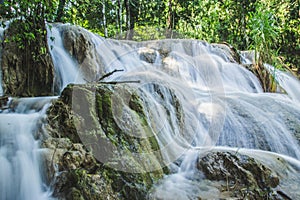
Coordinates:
(66, 68)
(195, 98)
(20, 155)
(22, 174)
(287, 81)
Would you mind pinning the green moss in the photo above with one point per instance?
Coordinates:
(74, 194)
(27, 66)
(96, 105)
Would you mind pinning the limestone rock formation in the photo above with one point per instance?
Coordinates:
(78, 43)
(243, 177)
(27, 68)
(81, 172)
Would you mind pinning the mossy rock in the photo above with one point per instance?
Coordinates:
(85, 115)
(243, 176)
(26, 63)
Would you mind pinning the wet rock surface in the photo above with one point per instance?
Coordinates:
(242, 176)
(78, 43)
(73, 167)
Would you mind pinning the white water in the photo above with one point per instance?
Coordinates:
(66, 68)
(193, 98)
(287, 81)
(222, 105)
(20, 157)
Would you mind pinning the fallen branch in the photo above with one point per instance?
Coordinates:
(118, 82)
(100, 80)
(109, 74)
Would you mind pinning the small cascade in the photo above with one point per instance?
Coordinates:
(66, 68)
(20, 157)
(287, 81)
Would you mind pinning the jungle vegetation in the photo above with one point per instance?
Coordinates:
(271, 27)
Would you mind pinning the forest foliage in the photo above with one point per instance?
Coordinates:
(267, 26)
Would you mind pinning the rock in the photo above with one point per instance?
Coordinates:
(226, 51)
(27, 67)
(74, 148)
(78, 43)
(148, 55)
(243, 176)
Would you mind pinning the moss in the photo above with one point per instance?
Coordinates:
(74, 194)
(96, 105)
(30, 72)
(131, 185)
(244, 176)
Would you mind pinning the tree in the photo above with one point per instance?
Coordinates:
(131, 17)
(210, 20)
(60, 10)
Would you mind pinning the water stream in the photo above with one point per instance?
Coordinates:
(20, 156)
(66, 68)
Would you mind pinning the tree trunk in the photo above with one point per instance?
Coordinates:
(169, 20)
(60, 11)
(127, 6)
(129, 20)
(119, 17)
(104, 19)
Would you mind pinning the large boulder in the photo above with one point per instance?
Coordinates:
(243, 177)
(79, 44)
(74, 160)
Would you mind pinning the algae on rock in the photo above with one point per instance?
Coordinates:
(243, 176)
(88, 167)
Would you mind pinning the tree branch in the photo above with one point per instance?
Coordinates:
(118, 82)
(109, 74)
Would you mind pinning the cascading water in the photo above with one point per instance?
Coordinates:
(66, 69)
(20, 156)
(213, 88)
(21, 120)
(287, 81)
(195, 99)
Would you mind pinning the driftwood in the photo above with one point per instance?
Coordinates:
(285, 196)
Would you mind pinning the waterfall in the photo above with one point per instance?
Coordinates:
(221, 101)
(287, 81)
(20, 156)
(195, 97)
(66, 68)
